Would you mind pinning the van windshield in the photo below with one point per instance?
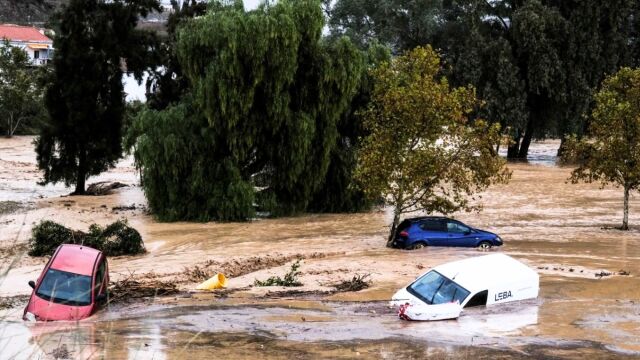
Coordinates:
(65, 288)
(433, 288)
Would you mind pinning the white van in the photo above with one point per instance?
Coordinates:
(445, 290)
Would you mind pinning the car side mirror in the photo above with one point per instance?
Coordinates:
(101, 298)
(32, 284)
(467, 232)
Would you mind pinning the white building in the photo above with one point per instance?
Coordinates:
(32, 40)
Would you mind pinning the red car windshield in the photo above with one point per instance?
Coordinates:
(65, 288)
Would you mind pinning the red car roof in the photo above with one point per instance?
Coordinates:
(75, 259)
(21, 33)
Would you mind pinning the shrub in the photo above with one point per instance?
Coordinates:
(114, 240)
(290, 278)
(47, 236)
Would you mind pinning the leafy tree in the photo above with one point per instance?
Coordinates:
(338, 192)
(167, 84)
(611, 152)
(21, 97)
(422, 152)
(273, 92)
(186, 174)
(535, 63)
(85, 99)
(398, 24)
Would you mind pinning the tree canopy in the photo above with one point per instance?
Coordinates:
(272, 92)
(21, 96)
(610, 154)
(423, 153)
(535, 63)
(85, 97)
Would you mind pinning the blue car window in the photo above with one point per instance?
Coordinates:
(434, 288)
(457, 228)
(65, 288)
(432, 225)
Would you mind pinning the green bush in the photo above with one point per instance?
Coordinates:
(114, 240)
(47, 236)
(290, 278)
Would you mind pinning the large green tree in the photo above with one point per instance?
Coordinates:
(273, 91)
(21, 96)
(167, 84)
(186, 173)
(610, 154)
(423, 153)
(535, 63)
(338, 192)
(96, 40)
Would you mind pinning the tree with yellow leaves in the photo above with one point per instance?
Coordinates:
(610, 154)
(423, 152)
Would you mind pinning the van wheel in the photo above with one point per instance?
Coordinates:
(484, 245)
(419, 245)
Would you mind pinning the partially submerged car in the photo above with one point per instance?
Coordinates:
(444, 291)
(72, 286)
(416, 233)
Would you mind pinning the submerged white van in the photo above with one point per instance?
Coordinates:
(445, 290)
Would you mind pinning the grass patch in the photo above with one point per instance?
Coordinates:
(290, 279)
(115, 239)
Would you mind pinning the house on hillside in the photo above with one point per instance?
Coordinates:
(32, 40)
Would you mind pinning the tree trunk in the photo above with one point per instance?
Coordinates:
(394, 225)
(625, 217)
(562, 148)
(526, 141)
(80, 183)
(81, 174)
(512, 150)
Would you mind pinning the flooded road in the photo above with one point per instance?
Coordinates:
(560, 229)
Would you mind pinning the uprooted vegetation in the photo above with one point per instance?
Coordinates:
(130, 288)
(10, 302)
(290, 279)
(103, 188)
(356, 283)
(243, 266)
(115, 239)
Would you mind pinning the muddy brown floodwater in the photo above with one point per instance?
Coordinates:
(560, 229)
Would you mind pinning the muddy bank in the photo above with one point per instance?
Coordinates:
(549, 224)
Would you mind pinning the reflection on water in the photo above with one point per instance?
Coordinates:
(166, 332)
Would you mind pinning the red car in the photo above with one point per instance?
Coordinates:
(72, 286)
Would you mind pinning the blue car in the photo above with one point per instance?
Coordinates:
(416, 233)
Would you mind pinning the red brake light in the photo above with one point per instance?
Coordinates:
(404, 234)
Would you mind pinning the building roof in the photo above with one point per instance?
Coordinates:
(22, 33)
(75, 259)
(488, 272)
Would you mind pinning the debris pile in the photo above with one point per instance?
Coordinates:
(130, 288)
(356, 283)
(103, 188)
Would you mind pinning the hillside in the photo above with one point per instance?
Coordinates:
(35, 12)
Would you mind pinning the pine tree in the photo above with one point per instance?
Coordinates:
(85, 98)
